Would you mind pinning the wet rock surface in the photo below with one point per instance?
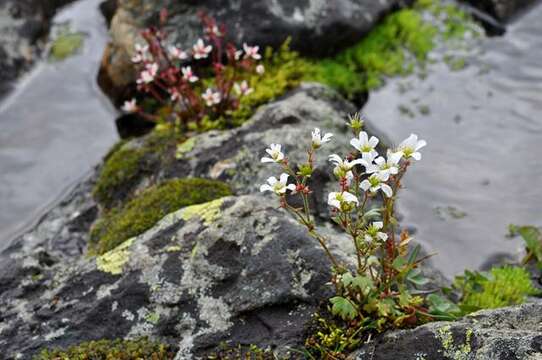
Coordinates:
(503, 10)
(316, 27)
(507, 334)
(24, 24)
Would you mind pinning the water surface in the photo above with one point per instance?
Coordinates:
(55, 126)
(482, 168)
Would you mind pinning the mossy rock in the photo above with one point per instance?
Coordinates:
(111, 350)
(145, 210)
(126, 164)
(66, 45)
(500, 287)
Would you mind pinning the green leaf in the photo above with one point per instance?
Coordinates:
(343, 308)
(416, 277)
(398, 263)
(346, 279)
(533, 240)
(414, 254)
(440, 305)
(364, 283)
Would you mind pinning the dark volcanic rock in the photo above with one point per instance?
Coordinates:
(23, 26)
(316, 27)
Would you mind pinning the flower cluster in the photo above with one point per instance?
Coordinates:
(375, 292)
(205, 81)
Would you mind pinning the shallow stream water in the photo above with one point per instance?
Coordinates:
(55, 126)
(482, 168)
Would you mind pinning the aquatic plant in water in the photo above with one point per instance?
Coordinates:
(377, 293)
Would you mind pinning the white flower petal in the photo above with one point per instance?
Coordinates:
(386, 189)
(265, 187)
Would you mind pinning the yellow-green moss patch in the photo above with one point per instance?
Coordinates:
(113, 261)
(66, 44)
(127, 163)
(145, 210)
(500, 287)
(111, 349)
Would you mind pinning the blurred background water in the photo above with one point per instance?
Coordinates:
(55, 126)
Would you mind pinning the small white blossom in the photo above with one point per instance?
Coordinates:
(238, 54)
(176, 53)
(390, 164)
(279, 187)
(260, 69)
(275, 152)
(373, 232)
(141, 53)
(147, 76)
(174, 94)
(364, 144)
(130, 106)
(376, 182)
(318, 140)
(201, 51)
(341, 199)
(213, 30)
(211, 97)
(410, 146)
(188, 74)
(342, 167)
(251, 52)
(243, 88)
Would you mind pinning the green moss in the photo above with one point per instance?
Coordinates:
(111, 350)
(124, 166)
(284, 70)
(145, 210)
(242, 352)
(66, 44)
(394, 47)
(500, 287)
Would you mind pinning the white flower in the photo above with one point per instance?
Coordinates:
(260, 69)
(200, 50)
(410, 146)
(238, 54)
(376, 182)
(390, 164)
(211, 97)
(372, 232)
(279, 187)
(213, 30)
(341, 200)
(175, 95)
(188, 74)
(130, 106)
(252, 52)
(318, 140)
(342, 167)
(365, 145)
(177, 53)
(141, 53)
(147, 75)
(243, 88)
(275, 152)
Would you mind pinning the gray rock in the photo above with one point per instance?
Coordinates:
(235, 269)
(502, 10)
(24, 24)
(501, 334)
(316, 27)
